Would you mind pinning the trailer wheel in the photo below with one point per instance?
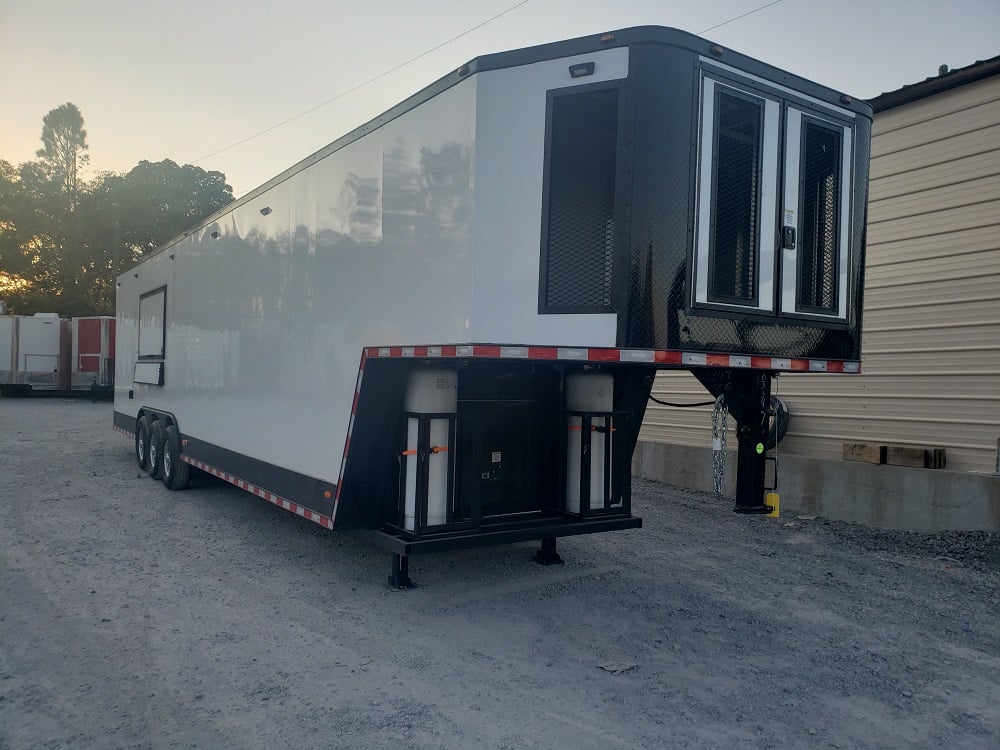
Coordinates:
(176, 472)
(142, 443)
(778, 425)
(154, 466)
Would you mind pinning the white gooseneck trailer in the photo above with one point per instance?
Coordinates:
(444, 326)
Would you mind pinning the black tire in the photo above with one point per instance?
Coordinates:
(778, 423)
(176, 472)
(154, 466)
(142, 443)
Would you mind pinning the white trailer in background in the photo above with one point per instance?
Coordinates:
(444, 326)
(34, 353)
(92, 366)
(8, 349)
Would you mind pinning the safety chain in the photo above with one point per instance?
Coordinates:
(720, 421)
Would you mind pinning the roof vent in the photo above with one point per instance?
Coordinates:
(942, 70)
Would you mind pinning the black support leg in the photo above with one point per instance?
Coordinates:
(754, 396)
(547, 554)
(400, 577)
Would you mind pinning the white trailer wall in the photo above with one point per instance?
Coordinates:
(8, 347)
(372, 245)
(266, 321)
(511, 110)
(39, 351)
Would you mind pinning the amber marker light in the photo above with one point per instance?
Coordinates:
(327, 494)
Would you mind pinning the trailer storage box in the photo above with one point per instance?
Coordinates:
(444, 326)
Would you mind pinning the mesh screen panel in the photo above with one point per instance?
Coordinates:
(820, 190)
(581, 200)
(736, 186)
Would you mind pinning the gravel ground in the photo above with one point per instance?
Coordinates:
(137, 618)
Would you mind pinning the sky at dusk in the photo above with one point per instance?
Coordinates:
(184, 80)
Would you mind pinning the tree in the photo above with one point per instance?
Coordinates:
(159, 200)
(64, 142)
(64, 240)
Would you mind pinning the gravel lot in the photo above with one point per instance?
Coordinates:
(132, 617)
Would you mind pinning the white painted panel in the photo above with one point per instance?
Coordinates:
(510, 157)
(37, 336)
(266, 322)
(148, 372)
(8, 325)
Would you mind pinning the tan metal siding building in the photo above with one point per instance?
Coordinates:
(931, 340)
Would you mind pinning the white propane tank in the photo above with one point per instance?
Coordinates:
(429, 392)
(587, 391)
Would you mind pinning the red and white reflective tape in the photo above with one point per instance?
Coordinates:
(123, 431)
(639, 356)
(309, 515)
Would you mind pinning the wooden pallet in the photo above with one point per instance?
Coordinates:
(919, 457)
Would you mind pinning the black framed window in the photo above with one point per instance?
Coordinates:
(152, 324)
(578, 220)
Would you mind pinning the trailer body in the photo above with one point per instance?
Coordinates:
(92, 366)
(34, 353)
(459, 307)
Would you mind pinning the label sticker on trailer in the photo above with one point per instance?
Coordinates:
(495, 457)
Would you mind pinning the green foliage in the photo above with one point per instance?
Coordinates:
(64, 240)
(64, 143)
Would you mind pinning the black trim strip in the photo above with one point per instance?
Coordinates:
(485, 538)
(124, 422)
(301, 489)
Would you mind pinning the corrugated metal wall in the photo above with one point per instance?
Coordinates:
(931, 342)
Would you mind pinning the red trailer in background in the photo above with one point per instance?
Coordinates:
(92, 367)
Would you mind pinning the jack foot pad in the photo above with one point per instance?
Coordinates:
(547, 555)
(399, 579)
(757, 510)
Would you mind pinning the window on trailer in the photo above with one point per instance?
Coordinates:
(152, 328)
(736, 173)
(579, 218)
(820, 217)
(152, 337)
